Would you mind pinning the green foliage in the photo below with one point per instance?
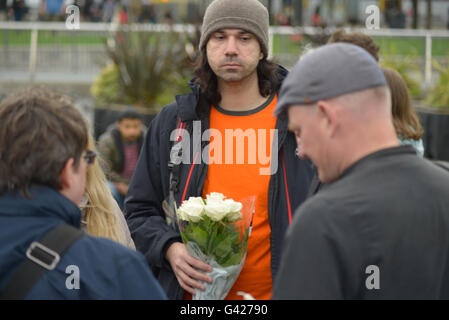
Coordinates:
(221, 240)
(149, 69)
(106, 88)
(405, 65)
(439, 94)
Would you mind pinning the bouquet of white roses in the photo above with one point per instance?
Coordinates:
(216, 230)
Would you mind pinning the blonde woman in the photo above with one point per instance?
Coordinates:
(102, 216)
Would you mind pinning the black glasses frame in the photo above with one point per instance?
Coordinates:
(90, 157)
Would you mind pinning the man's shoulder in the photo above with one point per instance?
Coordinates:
(166, 118)
(376, 186)
(439, 166)
(126, 273)
(282, 73)
(104, 258)
(412, 171)
(102, 269)
(318, 217)
(109, 249)
(330, 204)
(317, 207)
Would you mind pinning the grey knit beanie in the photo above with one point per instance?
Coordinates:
(248, 15)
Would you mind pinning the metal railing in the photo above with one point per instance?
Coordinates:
(427, 35)
(50, 46)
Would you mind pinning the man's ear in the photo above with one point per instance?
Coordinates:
(329, 115)
(66, 175)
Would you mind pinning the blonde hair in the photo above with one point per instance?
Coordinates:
(99, 211)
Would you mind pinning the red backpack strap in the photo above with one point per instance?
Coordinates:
(174, 174)
(180, 130)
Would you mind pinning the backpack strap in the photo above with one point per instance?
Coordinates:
(174, 165)
(41, 256)
(175, 153)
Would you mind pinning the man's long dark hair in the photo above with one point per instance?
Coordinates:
(206, 78)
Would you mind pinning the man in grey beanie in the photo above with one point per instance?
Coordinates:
(379, 227)
(234, 91)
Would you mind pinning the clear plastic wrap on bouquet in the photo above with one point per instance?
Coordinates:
(216, 231)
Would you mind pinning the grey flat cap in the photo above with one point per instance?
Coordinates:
(328, 72)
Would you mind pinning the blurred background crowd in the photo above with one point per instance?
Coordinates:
(105, 69)
(395, 13)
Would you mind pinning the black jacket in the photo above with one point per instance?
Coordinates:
(381, 231)
(107, 269)
(112, 149)
(150, 185)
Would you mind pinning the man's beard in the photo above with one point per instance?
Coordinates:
(233, 75)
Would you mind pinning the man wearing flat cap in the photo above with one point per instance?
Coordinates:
(379, 227)
(235, 90)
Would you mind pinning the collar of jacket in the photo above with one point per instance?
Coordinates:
(45, 202)
(194, 106)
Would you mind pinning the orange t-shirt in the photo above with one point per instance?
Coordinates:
(235, 170)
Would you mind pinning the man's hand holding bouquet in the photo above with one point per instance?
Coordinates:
(215, 230)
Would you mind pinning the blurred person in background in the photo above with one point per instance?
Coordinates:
(120, 148)
(448, 18)
(405, 119)
(54, 10)
(108, 10)
(96, 10)
(101, 215)
(18, 9)
(358, 38)
(3, 10)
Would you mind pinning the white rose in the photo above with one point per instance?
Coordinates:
(216, 209)
(181, 215)
(234, 216)
(198, 200)
(234, 210)
(191, 211)
(215, 196)
(233, 206)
